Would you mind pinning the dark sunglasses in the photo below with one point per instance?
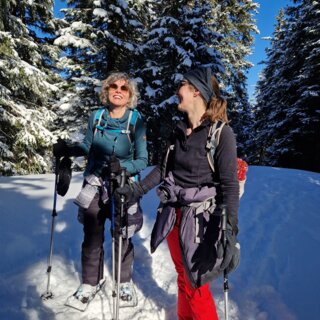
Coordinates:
(114, 86)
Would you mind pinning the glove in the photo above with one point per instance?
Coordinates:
(64, 176)
(166, 194)
(231, 253)
(131, 193)
(60, 149)
(114, 167)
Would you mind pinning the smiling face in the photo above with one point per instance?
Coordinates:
(119, 93)
(186, 95)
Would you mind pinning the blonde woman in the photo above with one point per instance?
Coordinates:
(115, 138)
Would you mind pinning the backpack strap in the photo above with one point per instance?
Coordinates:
(97, 121)
(213, 141)
(131, 124)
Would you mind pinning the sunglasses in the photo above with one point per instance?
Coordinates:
(114, 86)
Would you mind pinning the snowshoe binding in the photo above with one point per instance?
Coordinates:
(83, 296)
(127, 295)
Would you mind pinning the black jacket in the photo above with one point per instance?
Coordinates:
(190, 168)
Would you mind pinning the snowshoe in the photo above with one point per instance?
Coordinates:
(127, 295)
(83, 296)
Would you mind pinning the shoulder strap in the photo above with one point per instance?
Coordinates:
(213, 141)
(131, 125)
(97, 120)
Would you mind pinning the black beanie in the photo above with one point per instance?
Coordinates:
(64, 176)
(201, 79)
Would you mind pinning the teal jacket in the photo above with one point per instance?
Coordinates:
(99, 145)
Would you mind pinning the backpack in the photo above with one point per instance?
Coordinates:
(211, 146)
(131, 124)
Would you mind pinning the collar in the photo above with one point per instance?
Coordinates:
(183, 125)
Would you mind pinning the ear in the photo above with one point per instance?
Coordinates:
(196, 93)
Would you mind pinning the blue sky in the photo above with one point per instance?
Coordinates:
(266, 19)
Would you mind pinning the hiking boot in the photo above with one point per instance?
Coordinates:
(127, 295)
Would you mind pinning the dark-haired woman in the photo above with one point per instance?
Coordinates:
(190, 193)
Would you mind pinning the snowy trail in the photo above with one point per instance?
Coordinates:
(277, 279)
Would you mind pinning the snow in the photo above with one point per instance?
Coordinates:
(100, 12)
(278, 277)
(70, 40)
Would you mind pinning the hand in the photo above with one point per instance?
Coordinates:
(64, 176)
(114, 167)
(231, 253)
(60, 149)
(131, 193)
(166, 194)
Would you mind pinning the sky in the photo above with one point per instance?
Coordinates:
(278, 277)
(266, 19)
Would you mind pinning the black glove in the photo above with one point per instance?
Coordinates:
(231, 253)
(64, 176)
(60, 149)
(114, 167)
(132, 192)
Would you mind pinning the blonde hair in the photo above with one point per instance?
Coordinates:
(113, 77)
(217, 106)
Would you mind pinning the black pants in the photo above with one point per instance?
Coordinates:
(92, 255)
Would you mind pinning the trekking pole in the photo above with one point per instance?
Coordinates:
(48, 294)
(112, 188)
(225, 275)
(122, 204)
(114, 295)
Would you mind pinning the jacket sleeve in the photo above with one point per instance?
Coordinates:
(156, 176)
(226, 167)
(140, 160)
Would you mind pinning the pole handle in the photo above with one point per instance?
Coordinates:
(123, 177)
(224, 224)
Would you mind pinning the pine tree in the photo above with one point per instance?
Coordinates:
(27, 85)
(180, 38)
(234, 20)
(288, 96)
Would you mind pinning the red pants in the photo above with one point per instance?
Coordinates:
(193, 304)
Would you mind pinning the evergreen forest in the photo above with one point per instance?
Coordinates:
(51, 71)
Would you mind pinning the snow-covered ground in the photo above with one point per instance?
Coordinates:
(278, 277)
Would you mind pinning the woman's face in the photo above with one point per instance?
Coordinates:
(185, 94)
(119, 93)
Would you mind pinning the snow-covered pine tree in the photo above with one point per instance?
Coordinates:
(101, 36)
(180, 37)
(234, 20)
(268, 93)
(288, 95)
(27, 85)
